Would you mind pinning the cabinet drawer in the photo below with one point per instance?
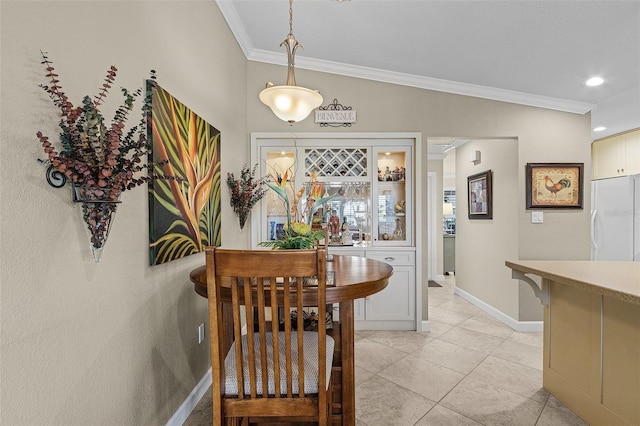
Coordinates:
(346, 252)
(394, 257)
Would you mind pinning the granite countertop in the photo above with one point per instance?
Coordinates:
(616, 279)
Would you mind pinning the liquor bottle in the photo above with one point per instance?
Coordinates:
(397, 233)
(346, 235)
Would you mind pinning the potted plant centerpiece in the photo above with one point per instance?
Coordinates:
(298, 231)
(101, 161)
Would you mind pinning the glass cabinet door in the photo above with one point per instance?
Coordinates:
(276, 160)
(393, 189)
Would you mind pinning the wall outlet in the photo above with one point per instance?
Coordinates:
(201, 333)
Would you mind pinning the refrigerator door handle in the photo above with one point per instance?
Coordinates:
(593, 229)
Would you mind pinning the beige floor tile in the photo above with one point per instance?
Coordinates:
(528, 355)
(380, 402)
(511, 376)
(374, 356)
(362, 375)
(406, 341)
(442, 416)
(556, 403)
(422, 377)
(199, 418)
(438, 300)
(490, 405)
(457, 304)
(446, 316)
(533, 339)
(471, 339)
(362, 334)
(554, 417)
(488, 325)
(438, 328)
(462, 360)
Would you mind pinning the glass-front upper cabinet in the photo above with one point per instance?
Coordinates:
(368, 184)
(393, 196)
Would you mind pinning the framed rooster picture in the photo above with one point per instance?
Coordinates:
(554, 185)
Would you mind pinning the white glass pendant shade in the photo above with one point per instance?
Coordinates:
(291, 103)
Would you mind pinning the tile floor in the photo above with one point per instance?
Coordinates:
(469, 370)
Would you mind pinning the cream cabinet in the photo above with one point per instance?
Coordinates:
(370, 181)
(394, 307)
(616, 156)
(632, 154)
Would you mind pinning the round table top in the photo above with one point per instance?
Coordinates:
(354, 277)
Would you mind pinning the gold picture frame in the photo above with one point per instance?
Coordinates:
(554, 185)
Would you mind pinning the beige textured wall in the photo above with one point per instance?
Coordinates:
(113, 342)
(543, 136)
(483, 245)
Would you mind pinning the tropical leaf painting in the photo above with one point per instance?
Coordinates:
(184, 213)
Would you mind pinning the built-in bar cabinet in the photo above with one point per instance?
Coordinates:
(370, 178)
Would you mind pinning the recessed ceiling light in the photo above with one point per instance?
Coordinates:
(599, 129)
(594, 81)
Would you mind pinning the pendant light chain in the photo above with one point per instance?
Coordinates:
(291, 17)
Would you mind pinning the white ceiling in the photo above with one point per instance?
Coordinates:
(529, 52)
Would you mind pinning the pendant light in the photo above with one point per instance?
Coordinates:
(290, 103)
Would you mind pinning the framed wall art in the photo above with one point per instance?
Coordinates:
(480, 195)
(554, 185)
(184, 212)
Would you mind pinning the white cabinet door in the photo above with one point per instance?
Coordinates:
(608, 157)
(392, 196)
(397, 300)
(632, 153)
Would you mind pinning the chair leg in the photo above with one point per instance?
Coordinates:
(325, 413)
(235, 421)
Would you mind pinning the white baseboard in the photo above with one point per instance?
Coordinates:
(521, 326)
(425, 326)
(181, 414)
(438, 277)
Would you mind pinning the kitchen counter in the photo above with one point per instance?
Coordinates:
(616, 279)
(591, 335)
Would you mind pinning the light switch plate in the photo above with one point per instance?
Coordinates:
(537, 217)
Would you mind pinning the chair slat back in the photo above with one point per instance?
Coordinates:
(265, 281)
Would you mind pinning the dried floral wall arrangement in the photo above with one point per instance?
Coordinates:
(99, 160)
(245, 192)
(184, 214)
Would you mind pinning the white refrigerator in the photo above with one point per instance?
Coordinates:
(615, 218)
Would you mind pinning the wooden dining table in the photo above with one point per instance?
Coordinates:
(349, 278)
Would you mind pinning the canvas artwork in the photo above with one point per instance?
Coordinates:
(184, 213)
(554, 185)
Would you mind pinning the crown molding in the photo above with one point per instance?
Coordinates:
(236, 26)
(428, 83)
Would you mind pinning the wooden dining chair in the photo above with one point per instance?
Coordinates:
(273, 371)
